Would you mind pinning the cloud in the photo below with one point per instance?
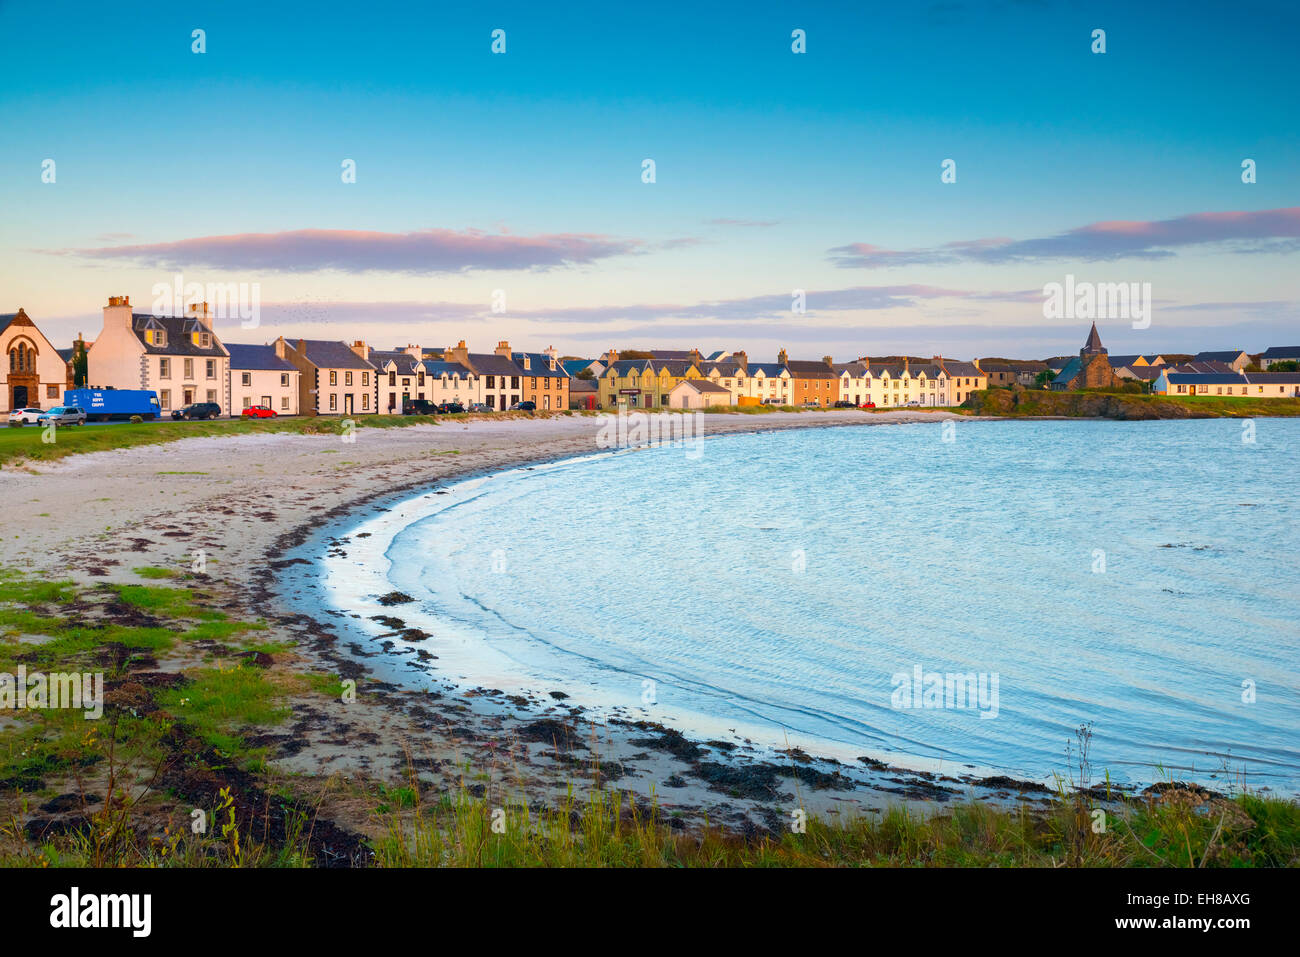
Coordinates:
(1262, 231)
(422, 252)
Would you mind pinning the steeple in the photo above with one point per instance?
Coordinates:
(1093, 346)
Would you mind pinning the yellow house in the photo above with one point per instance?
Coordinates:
(643, 383)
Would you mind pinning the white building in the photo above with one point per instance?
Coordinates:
(260, 377)
(32, 373)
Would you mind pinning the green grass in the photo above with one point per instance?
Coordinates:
(153, 571)
(219, 702)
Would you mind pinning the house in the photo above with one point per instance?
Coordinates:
(179, 357)
(697, 394)
(336, 379)
(258, 376)
(33, 374)
(812, 383)
(584, 393)
(1233, 357)
(963, 379)
(545, 381)
(452, 382)
(401, 375)
(1274, 354)
(644, 383)
(1241, 385)
(1091, 370)
(1204, 366)
(500, 380)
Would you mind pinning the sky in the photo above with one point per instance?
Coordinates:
(504, 195)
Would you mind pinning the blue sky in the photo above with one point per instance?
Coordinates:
(521, 172)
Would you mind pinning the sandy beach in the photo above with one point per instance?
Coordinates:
(256, 504)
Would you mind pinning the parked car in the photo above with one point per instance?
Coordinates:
(419, 407)
(867, 405)
(198, 410)
(62, 415)
(845, 404)
(24, 416)
(915, 402)
(258, 412)
(480, 407)
(774, 402)
(450, 408)
(524, 407)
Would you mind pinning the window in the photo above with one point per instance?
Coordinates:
(406, 382)
(51, 392)
(365, 378)
(334, 401)
(266, 401)
(165, 398)
(284, 379)
(514, 383)
(189, 368)
(347, 378)
(420, 379)
(247, 402)
(392, 378)
(164, 368)
(532, 380)
(334, 377)
(246, 378)
(365, 400)
(490, 382)
(212, 368)
(205, 340)
(212, 395)
(284, 402)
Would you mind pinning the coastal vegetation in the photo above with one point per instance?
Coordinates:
(190, 693)
(1092, 403)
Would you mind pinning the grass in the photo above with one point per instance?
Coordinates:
(1092, 402)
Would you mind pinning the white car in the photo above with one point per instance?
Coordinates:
(24, 416)
(62, 415)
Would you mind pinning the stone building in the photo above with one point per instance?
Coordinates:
(1092, 370)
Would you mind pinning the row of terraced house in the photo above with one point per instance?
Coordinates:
(184, 361)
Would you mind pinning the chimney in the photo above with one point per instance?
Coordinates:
(526, 363)
(742, 360)
(302, 348)
(782, 358)
(503, 348)
(829, 361)
(550, 351)
(414, 351)
(459, 354)
(695, 354)
(361, 349)
(118, 312)
(280, 347)
(611, 357)
(906, 360)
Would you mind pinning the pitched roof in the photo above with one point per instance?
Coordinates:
(671, 354)
(179, 330)
(438, 368)
(961, 368)
(1205, 378)
(331, 354)
(574, 366)
(771, 370)
(256, 357)
(1094, 341)
(1071, 369)
(1279, 378)
(1282, 352)
(539, 364)
(407, 364)
(1230, 356)
(489, 363)
(808, 369)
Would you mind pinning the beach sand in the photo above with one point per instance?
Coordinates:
(247, 501)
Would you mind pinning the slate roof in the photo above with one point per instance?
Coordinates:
(718, 356)
(1276, 378)
(331, 354)
(1094, 341)
(574, 366)
(256, 357)
(961, 368)
(671, 354)
(623, 366)
(539, 365)
(1117, 362)
(1072, 369)
(64, 354)
(6, 319)
(808, 369)
(772, 370)
(1203, 378)
(438, 368)
(1149, 373)
(1205, 367)
(178, 329)
(407, 364)
(1281, 352)
(1059, 362)
(489, 363)
(1230, 356)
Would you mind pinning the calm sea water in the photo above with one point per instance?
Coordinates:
(1132, 575)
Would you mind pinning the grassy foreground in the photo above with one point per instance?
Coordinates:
(1028, 403)
(188, 691)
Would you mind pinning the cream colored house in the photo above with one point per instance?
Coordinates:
(179, 357)
(336, 379)
(453, 382)
(402, 377)
(698, 394)
(260, 377)
(32, 373)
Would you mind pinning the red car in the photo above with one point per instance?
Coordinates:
(867, 405)
(258, 412)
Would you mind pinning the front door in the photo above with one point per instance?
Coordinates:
(19, 399)
(347, 404)
(189, 396)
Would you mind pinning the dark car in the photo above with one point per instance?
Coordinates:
(524, 407)
(419, 407)
(450, 408)
(845, 404)
(198, 410)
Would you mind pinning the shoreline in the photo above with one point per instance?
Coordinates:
(534, 746)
